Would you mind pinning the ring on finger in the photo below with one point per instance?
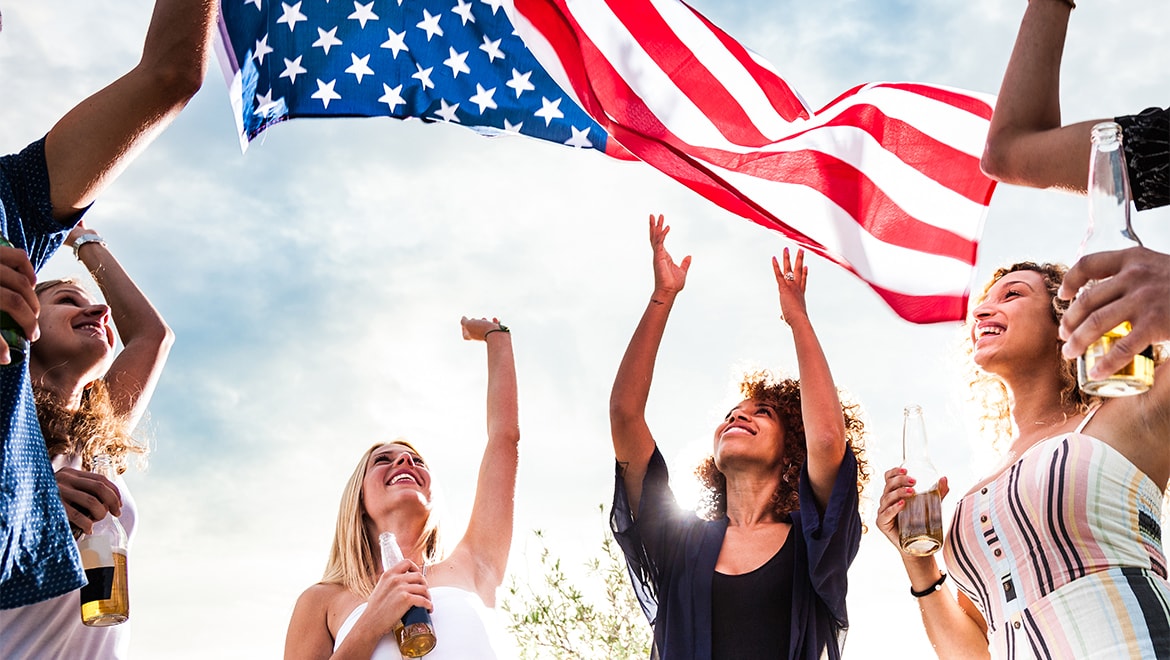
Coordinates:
(789, 276)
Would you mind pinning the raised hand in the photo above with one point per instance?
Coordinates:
(899, 488)
(669, 277)
(479, 329)
(791, 280)
(88, 497)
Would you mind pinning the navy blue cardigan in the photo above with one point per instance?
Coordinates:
(671, 556)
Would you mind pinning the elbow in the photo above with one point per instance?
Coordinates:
(622, 414)
(176, 82)
(996, 162)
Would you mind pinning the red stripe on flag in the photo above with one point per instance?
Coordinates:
(783, 98)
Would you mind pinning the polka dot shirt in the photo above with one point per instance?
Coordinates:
(38, 558)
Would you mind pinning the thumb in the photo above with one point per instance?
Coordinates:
(686, 263)
(943, 487)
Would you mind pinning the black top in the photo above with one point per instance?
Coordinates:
(745, 610)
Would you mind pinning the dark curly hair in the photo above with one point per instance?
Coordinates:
(784, 396)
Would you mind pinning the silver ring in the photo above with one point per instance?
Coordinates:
(789, 276)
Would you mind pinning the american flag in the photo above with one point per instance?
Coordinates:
(884, 180)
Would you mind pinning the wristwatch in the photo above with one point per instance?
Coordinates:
(86, 238)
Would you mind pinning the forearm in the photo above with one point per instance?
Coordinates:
(1026, 144)
(631, 386)
(93, 143)
(503, 423)
(952, 632)
(134, 316)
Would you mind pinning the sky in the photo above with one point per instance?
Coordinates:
(316, 284)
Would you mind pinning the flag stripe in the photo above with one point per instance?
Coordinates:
(884, 180)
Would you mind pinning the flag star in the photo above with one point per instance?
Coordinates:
(253, 2)
(492, 48)
(326, 40)
(509, 127)
(430, 24)
(360, 67)
(457, 62)
(580, 139)
(519, 82)
(423, 75)
(291, 16)
(464, 11)
(363, 13)
(392, 97)
(483, 98)
(262, 49)
(495, 4)
(263, 104)
(293, 68)
(325, 92)
(549, 110)
(447, 112)
(396, 42)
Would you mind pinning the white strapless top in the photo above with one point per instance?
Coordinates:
(465, 629)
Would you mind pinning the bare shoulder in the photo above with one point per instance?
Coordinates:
(328, 604)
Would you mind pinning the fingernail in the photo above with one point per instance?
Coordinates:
(913, 480)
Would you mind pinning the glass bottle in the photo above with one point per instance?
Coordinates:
(12, 334)
(415, 633)
(920, 520)
(1110, 229)
(105, 601)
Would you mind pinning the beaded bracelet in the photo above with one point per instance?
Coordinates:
(931, 589)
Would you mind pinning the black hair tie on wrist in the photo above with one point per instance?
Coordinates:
(931, 589)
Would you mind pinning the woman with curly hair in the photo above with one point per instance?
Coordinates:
(355, 609)
(763, 575)
(88, 401)
(1068, 523)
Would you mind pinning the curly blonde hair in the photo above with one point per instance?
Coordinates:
(94, 428)
(989, 393)
(784, 395)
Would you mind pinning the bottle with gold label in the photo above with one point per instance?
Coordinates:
(105, 600)
(1110, 229)
(415, 633)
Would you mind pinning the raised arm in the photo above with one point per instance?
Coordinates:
(632, 443)
(820, 406)
(953, 624)
(145, 336)
(489, 532)
(1026, 144)
(91, 144)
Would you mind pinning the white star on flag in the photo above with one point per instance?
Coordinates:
(363, 13)
(549, 110)
(325, 91)
(483, 98)
(291, 15)
(326, 40)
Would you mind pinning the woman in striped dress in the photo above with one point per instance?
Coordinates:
(1057, 553)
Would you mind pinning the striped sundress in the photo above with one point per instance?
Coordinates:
(1062, 554)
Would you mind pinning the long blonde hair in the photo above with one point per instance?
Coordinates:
(355, 560)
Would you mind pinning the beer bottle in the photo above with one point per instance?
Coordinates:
(10, 331)
(1110, 229)
(415, 633)
(105, 601)
(920, 521)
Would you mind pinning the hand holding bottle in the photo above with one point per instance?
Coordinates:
(898, 490)
(88, 497)
(400, 587)
(18, 303)
(415, 633)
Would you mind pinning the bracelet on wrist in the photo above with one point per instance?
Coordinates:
(86, 238)
(931, 589)
(500, 328)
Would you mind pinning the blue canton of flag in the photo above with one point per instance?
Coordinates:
(436, 60)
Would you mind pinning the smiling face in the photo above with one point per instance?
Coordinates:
(75, 329)
(396, 476)
(1015, 324)
(751, 432)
